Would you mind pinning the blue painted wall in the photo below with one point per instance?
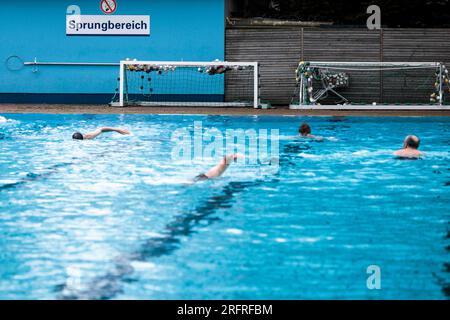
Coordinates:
(180, 30)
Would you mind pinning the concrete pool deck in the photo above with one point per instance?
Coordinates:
(105, 109)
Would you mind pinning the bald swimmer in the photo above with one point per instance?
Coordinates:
(410, 148)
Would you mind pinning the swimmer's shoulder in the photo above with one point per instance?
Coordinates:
(408, 155)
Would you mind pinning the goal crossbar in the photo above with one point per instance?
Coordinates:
(375, 64)
(371, 66)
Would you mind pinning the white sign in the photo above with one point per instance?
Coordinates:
(101, 25)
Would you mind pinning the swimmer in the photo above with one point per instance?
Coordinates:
(410, 148)
(94, 134)
(219, 169)
(305, 132)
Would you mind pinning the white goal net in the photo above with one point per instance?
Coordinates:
(370, 83)
(198, 84)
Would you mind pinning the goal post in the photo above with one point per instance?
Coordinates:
(196, 84)
(324, 83)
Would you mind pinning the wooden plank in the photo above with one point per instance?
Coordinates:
(279, 49)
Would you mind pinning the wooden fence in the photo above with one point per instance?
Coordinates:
(279, 50)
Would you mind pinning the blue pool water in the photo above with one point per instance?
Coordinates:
(113, 218)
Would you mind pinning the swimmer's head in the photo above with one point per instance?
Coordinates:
(304, 129)
(412, 142)
(77, 136)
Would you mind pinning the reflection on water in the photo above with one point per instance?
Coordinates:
(183, 225)
(31, 177)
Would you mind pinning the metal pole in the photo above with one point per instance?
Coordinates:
(300, 100)
(122, 69)
(256, 86)
(381, 71)
(87, 64)
(441, 94)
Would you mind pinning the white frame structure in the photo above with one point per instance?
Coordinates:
(371, 66)
(256, 94)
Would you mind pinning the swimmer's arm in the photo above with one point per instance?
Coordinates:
(96, 133)
(92, 135)
(219, 169)
(118, 130)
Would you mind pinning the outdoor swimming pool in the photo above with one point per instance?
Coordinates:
(112, 218)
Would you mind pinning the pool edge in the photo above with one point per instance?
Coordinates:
(280, 111)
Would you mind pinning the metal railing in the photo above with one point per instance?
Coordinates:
(87, 64)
